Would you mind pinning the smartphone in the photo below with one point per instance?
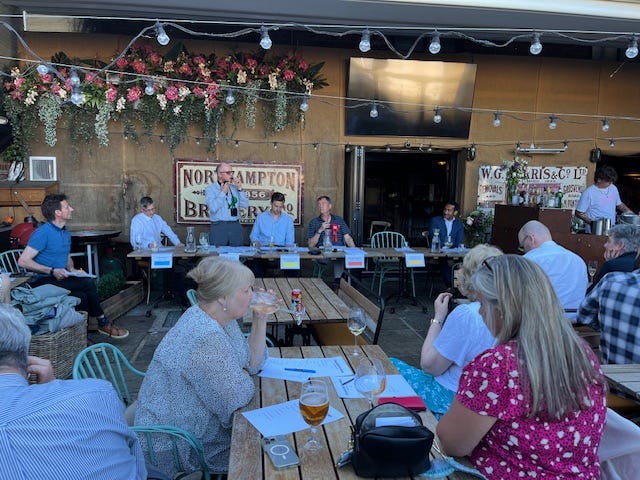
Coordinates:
(280, 452)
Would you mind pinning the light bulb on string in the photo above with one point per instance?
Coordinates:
(374, 110)
(275, 145)
(347, 148)
(565, 144)
(365, 42)
(605, 124)
(77, 98)
(437, 118)
(149, 89)
(536, 46)
(197, 140)
(42, 69)
(74, 79)
(430, 148)
(161, 37)
(496, 119)
(434, 46)
(304, 105)
(161, 138)
(632, 49)
(612, 143)
(265, 40)
(230, 99)
(553, 122)
(315, 147)
(237, 144)
(388, 148)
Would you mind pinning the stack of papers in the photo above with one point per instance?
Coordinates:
(301, 369)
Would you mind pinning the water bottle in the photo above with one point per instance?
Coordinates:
(559, 197)
(327, 246)
(190, 244)
(435, 241)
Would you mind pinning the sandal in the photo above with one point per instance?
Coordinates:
(113, 331)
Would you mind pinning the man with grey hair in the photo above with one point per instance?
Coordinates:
(566, 270)
(58, 428)
(620, 251)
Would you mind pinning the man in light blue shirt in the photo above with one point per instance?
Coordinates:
(150, 226)
(58, 428)
(224, 199)
(273, 226)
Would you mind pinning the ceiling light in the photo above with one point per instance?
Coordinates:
(496, 119)
(304, 105)
(632, 49)
(149, 90)
(365, 42)
(42, 69)
(162, 37)
(374, 111)
(605, 124)
(552, 122)
(230, 99)
(434, 46)
(437, 118)
(265, 40)
(536, 46)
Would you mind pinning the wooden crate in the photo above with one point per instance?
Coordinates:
(116, 306)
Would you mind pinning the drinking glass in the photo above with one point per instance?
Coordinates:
(592, 268)
(448, 243)
(370, 379)
(265, 303)
(314, 406)
(356, 324)
(204, 241)
(138, 241)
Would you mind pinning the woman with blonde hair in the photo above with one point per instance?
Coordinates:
(452, 341)
(201, 372)
(535, 404)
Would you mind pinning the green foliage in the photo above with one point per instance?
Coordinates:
(110, 284)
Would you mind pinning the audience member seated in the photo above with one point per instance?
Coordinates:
(452, 340)
(620, 251)
(58, 428)
(613, 307)
(566, 270)
(448, 226)
(534, 406)
(201, 372)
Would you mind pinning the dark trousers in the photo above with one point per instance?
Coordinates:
(83, 288)
(445, 271)
(222, 234)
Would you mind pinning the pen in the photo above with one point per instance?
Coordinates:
(303, 370)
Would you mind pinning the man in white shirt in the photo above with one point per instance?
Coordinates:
(566, 270)
(149, 226)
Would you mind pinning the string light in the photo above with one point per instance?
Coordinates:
(612, 143)
(230, 99)
(434, 46)
(430, 149)
(437, 118)
(237, 144)
(161, 37)
(161, 138)
(315, 147)
(275, 145)
(496, 119)
(149, 89)
(553, 122)
(74, 79)
(347, 148)
(365, 42)
(632, 49)
(605, 124)
(388, 148)
(565, 144)
(304, 105)
(42, 69)
(197, 140)
(265, 40)
(536, 46)
(374, 111)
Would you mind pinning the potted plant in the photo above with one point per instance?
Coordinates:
(117, 294)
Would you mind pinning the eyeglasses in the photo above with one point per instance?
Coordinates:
(521, 245)
(149, 209)
(230, 172)
(487, 264)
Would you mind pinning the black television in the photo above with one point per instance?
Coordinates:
(406, 93)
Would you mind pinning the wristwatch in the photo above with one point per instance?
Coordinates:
(437, 322)
(51, 271)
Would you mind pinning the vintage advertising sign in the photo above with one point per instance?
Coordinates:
(572, 181)
(258, 180)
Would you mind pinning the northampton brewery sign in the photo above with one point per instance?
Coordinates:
(258, 180)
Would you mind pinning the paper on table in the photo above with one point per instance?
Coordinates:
(284, 418)
(404, 249)
(78, 273)
(274, 367)
(353, 251)
(397, 386)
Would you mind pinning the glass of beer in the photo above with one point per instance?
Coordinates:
(314, 406)
(265, 303)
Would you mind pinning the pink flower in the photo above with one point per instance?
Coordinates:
(185, 69)
(236, 66)
(89, 77)
(199, 60)
(139, 66)
(171, 93)
(112, 94)
(18, 82)
(155, 58)
(122, 63)
(252, 63)
(46, 77)
(288, 75)
(213, 88)
(134, 94)
(16, 95)
(303, 65)
(198, 92)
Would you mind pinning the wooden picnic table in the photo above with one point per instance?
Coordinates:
(247, 460)
(625, 378)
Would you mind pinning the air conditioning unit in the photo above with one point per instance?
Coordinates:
(42, 169)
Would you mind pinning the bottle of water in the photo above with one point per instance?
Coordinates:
(435, 241)
(190, 244)
(327, 246)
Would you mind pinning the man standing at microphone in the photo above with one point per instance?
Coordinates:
(224, 199)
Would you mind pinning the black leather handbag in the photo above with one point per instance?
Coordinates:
(390, 441)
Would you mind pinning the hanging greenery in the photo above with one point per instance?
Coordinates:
(150, 90)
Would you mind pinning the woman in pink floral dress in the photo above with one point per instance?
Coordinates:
(534, 406)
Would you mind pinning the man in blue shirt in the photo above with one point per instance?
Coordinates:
(58, 428)
(273, 226)
(448, 227)
(224, 200)
(48, 254)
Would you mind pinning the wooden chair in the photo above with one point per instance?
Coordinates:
(386, 265)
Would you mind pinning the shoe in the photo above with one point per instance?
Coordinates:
(113, 331)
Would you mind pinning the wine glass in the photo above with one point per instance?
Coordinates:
(370, 379)
(204, 241)
(265, 303)
(138, 241)
(314, 406)
(448, 243)
(592, 268)
(356, 324)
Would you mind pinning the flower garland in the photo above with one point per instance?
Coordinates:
(515, 173)
(185, 90)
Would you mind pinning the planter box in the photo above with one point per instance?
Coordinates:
(123, 301)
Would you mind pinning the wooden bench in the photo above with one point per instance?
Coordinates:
(338, 333)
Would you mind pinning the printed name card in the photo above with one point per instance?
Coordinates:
(161, 260)
(231, 256)
(354, 260)
(413, 260)
(290, 261)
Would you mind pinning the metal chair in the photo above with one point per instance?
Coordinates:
(387, 265)
(163, 444)
(9, 261)
(107, 362)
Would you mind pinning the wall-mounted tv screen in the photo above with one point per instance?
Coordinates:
(406, 92)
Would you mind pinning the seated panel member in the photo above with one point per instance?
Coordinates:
(273, 226)
(448, 226)
(150, 225)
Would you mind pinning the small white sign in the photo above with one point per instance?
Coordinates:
(413, 260)
(290, 261)
(354, 261)
(231, 255)
(161, 260)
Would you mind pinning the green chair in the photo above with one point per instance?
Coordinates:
(387, 265)
(191, 295)
(107, 362)
(165, 443)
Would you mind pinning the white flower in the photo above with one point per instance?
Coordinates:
(121, 103)
(162, 100)
(177, 109)
(242, 76)
(31, 97)
(183, 91)
(273, 81)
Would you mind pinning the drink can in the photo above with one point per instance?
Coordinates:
(296, 299)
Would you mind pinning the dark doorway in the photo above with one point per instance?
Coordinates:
(406, 188)
(628, 168)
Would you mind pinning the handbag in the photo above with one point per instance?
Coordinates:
(390, 441)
